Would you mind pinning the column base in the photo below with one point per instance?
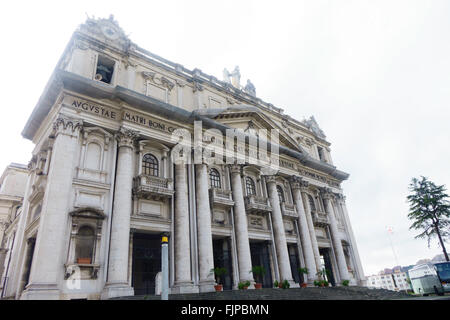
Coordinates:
(41, 291)
(206, 286)
(184, 287)
(115, 290)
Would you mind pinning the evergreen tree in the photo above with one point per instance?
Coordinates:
(429, 211)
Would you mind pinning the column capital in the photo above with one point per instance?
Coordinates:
(271, 179)
(126, 137)
(298, 183)
(326, 193)
(340, 197)
(66, 125)
(236, 168)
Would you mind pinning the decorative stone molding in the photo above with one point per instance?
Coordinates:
(158, 80)
(66, 125)
(126, 137)
(197, 86)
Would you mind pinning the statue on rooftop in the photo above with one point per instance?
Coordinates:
(236, 78)
(226, 76)
(250, 88)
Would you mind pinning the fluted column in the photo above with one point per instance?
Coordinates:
(205, 245)
(278, 230)
(335, 237)
(117, 281)
(296, 185)
(240, 222)
(47, 271)
(309, 220)
(183, 278)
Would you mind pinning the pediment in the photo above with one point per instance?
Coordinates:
(250, 119)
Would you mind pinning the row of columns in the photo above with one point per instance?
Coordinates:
(45, 271)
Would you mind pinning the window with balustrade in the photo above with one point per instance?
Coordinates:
(214, 177)
(150, 165)
(250, 186)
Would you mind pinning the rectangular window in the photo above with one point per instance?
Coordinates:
(105, 69)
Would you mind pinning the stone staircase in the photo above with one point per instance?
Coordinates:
(313, 293)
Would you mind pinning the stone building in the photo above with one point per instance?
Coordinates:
(102, 185)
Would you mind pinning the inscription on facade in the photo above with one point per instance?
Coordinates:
(147, 122)
(95, 109)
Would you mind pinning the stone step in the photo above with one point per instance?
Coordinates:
(313, 293)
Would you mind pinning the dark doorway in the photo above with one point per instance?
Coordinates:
(261, 257)
(325, 257)
(146, 262)
(294, 261)
(222, 259)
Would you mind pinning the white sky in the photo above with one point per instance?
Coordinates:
(375, 74)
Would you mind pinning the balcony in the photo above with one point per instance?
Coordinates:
(220, 197)
(320, 219)
(288, 210)
(150, 187)
(254, 204)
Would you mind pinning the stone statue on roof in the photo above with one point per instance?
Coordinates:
(236, 77)
(250, 88)
(226, 76)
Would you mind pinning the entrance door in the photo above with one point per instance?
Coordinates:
(146, 262)
(294, 261)
(260, 257)
(222, 259)
(326, 261)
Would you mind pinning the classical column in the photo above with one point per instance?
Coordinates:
(240, 222)
(308, 253)
(204, 235)
(117, 282)
(336, 239)
(312, 231)
(354, 249)
(183, 279)
(278, 230)
(47, 271)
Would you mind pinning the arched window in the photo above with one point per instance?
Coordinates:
(150, 165)
(311, 203)
(85, 245)
(250, 186)
(214, 177)
(280, 194)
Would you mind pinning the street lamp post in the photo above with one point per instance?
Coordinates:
(165, 267)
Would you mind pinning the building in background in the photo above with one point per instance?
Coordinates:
(102, 186)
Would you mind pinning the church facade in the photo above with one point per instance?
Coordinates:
(124, 142)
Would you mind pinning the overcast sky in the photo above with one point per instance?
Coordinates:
(375, 74)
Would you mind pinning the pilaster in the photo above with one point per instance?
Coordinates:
(46, 273)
